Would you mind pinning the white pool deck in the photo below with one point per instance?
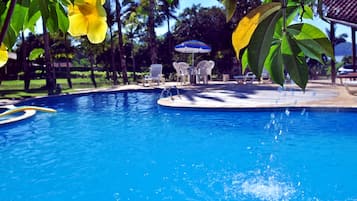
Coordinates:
(319, 93)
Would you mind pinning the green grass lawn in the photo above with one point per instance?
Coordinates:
(14, 89)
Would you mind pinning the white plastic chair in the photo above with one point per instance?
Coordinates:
(178, 71)
(204, 69)
(182, 71)
(155, 74)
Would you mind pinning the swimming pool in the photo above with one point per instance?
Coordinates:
(123, 146)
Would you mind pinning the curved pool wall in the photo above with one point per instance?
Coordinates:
(123, 146)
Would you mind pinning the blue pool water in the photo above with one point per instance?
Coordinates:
(123, 146)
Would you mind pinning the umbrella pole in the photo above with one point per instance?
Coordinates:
(193, 59)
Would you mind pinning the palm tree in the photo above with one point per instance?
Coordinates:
(122, 62)
(339, 39)
(68, 71)
(90, 51)
(151, 31)
(133, 28)
(111, 21)
(167, 11)
(335, 41)
(61, 52)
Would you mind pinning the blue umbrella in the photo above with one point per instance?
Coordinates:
(193, 46)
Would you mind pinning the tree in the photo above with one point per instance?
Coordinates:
(151, 31)
(133, 29)
(167, 10)
(111, 21)
(339, 39)
(62, 52)
(90, 52)
(120, 43)
(67, 53)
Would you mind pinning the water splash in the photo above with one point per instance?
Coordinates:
(287, 112)
(257, 185)
(276, 124)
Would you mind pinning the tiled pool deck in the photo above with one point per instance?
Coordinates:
(319, 93)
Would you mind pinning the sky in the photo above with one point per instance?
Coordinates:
(209, 3)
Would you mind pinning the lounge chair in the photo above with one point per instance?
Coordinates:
(248, 77)
(155, 75)
(349, 80)
(204, 69)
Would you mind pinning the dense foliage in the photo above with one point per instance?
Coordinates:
(268, 37)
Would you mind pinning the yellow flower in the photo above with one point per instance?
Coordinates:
(3, 55)
(88, 17)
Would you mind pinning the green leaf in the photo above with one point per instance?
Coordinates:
(314, 53)
(66, 2)
(294, 61)
(52, 20)
(34, 8)
(230, 6)
(260, 43)
(311, 40)
(32, 20)
(17, 22)
(33, 15)
(307, 12)
(274, 64)
(43, 5)
(10, 37)
(36, 53)
(63, 22)
(245, 61)
(2, 9)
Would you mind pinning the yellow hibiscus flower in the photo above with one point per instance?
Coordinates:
(88, 17)
(3, 55)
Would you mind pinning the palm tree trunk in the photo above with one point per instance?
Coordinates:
(169, 38)
(121, 48)
(51, 76)
(92, 76)
(113, 67)
(68, 70)
(151, 32)
(24, 63)
(133, 60)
